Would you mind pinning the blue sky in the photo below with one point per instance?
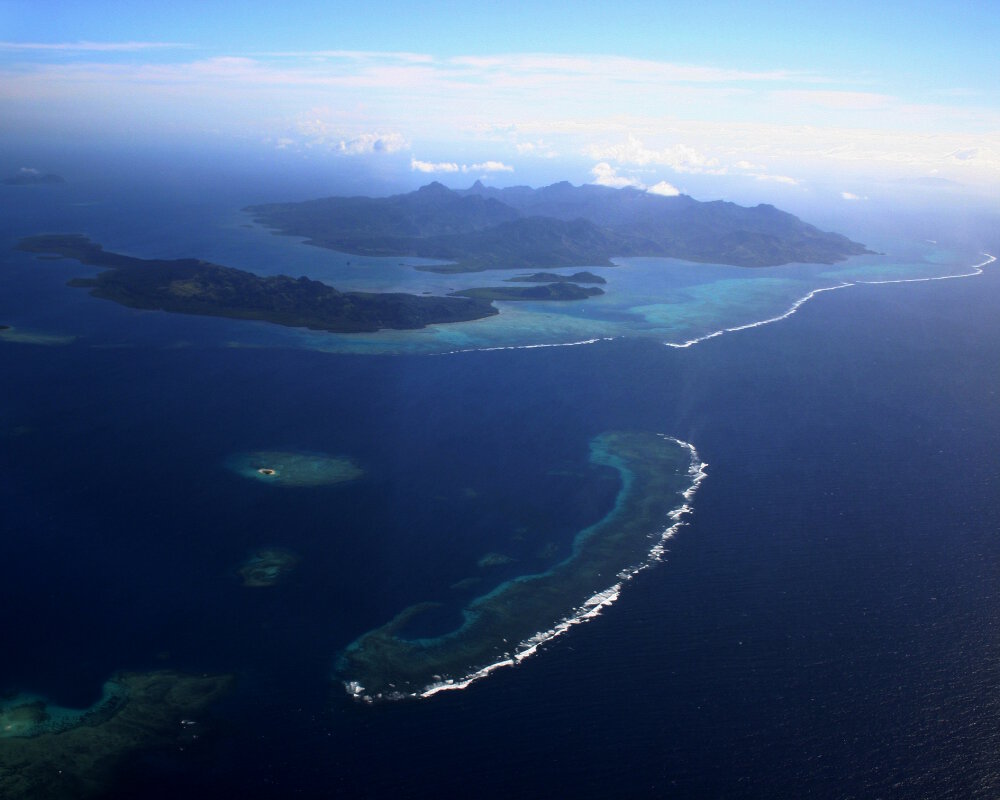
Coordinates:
(788, 96)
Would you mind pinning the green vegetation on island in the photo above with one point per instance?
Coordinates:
(552, 277)
(191, 286)
(508, 623)
(556, 226)
(548, 291)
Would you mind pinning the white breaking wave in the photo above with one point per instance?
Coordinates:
(596, 603)
(977, 269)
(525, 346)
(589, 609)
(791, 310)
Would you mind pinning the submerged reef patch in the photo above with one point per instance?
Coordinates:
(9, 333)
(286, 468)
(54, 752)
(267, 566)
(659, 475)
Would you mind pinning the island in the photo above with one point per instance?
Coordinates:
(192, 286)
(548, 291)
(658, 476)
(54, 752)
(294, 469)
(26, 176)
(552, 277)
(556, 226)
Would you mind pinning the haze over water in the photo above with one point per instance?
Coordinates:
(841, 539)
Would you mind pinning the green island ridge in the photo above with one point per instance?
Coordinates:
(556, 226)
(56, 753)
(547, 291)
(506, 625)
(191, 286)
(552, 277)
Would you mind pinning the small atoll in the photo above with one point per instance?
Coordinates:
(267, 566)
(286, 468)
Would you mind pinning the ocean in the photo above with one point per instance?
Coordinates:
(823, 624)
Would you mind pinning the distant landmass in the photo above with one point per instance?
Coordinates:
(191, 286)
(549, 291)
(27, 176)
(552, 277)
(556, 226)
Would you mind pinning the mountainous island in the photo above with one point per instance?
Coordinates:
(472, 230)
(191, 286)
(556, 226)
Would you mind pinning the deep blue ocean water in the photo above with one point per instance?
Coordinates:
(826, 625)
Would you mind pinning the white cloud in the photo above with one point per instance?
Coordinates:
(624, 68)
(963, 155)
(319, 127)
(605, 175)
(353, 55)
(538, 149)
(840, 100)
(680, 157)
(373, 143)
(763, 176)
(632, 114)
(487, 166)
(450, 166)
(851, 196)
(430, 166)
(664, 188)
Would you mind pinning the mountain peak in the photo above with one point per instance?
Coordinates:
(434, 187)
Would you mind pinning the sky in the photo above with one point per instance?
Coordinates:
(716, 99)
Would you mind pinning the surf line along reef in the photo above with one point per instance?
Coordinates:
(659, 476)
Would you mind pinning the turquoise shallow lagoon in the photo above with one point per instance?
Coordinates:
(667, 300)
(659, 298)
(662, 299)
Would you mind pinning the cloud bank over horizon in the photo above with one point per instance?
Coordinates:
(639, 122)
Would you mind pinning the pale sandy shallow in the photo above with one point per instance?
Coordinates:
(288, 468)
